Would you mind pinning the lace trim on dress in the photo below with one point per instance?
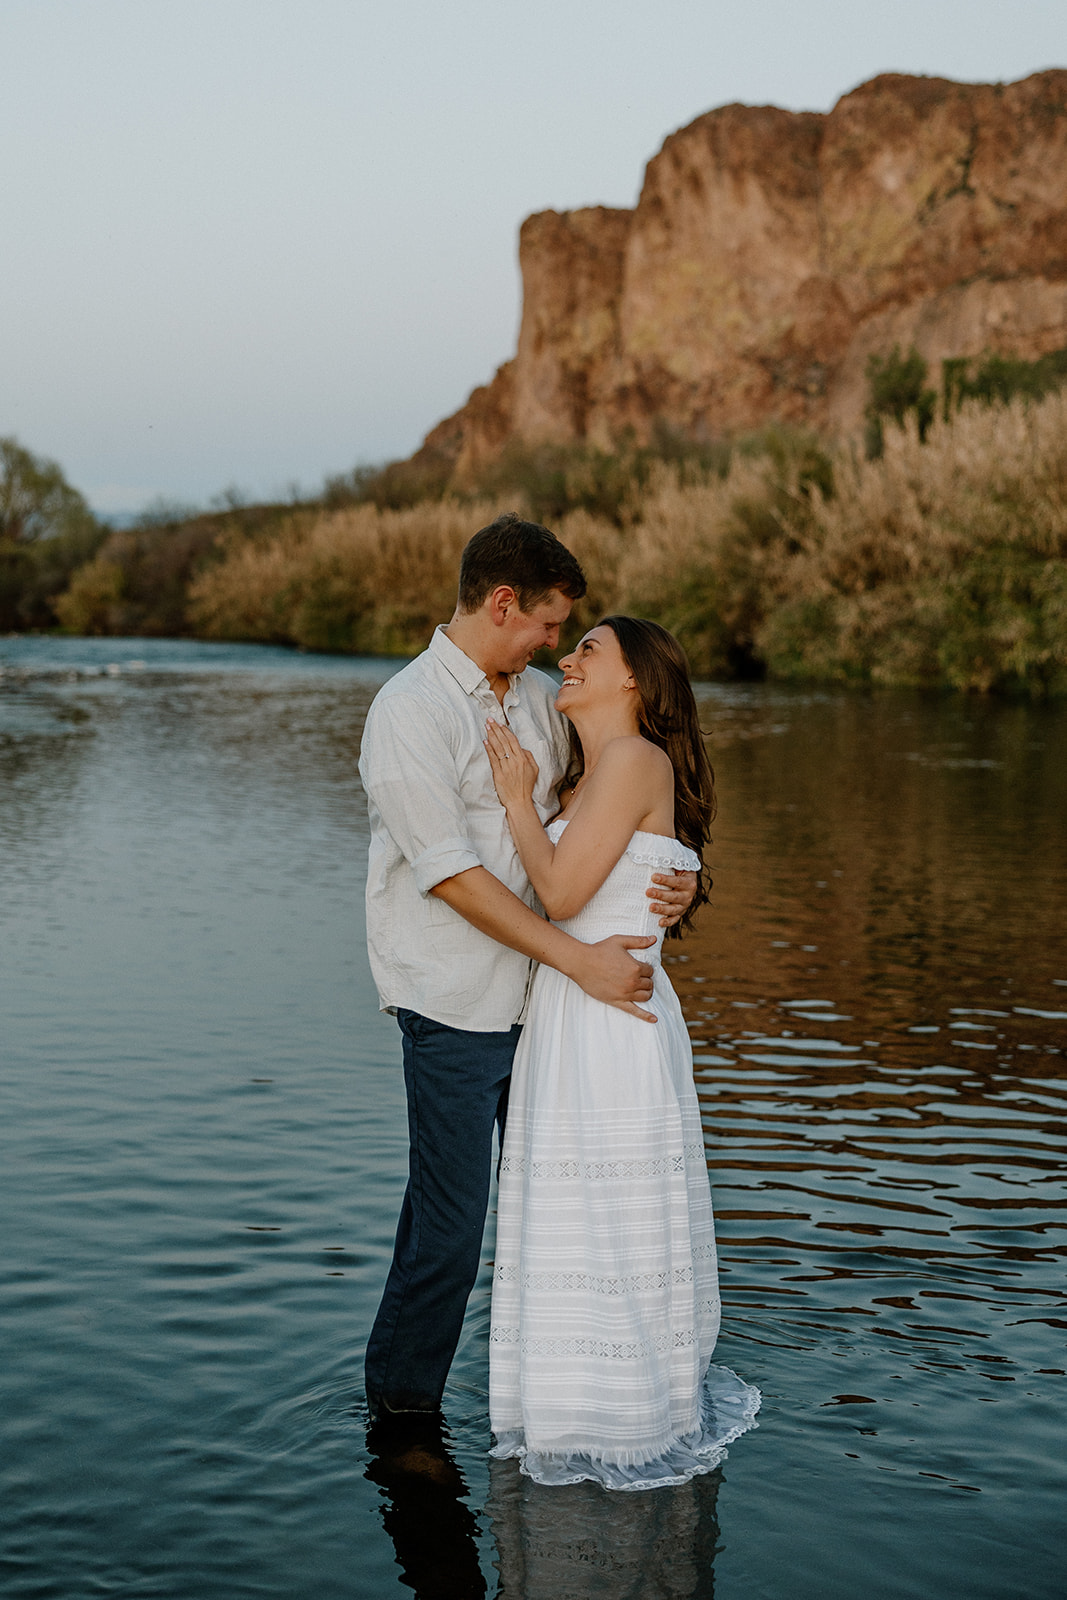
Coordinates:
(671, 853)
(644, 1167)
(594, 1283)
(728, 1409)
(602, 1349)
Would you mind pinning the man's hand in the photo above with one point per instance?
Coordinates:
(672, 894)
(607, 971)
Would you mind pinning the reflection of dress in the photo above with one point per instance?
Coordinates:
(605, 1292)
(573, 1543)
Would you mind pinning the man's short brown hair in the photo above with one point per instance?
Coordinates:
(524, 555)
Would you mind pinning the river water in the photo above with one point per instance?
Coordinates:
(202, 1147)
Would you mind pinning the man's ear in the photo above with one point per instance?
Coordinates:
(502, 601)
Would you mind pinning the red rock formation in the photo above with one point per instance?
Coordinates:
(772, 252)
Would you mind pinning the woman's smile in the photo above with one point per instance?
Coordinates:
(604, 674)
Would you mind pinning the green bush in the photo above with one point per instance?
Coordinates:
(897, 386)
(998, 379)
(553, 480)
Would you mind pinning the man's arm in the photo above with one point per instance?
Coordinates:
(605, 970)
(410, 776)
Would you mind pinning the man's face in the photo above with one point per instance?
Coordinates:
(523, 633)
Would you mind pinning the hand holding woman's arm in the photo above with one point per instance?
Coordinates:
(610, 970)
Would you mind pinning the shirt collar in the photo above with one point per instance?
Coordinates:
(467, 673)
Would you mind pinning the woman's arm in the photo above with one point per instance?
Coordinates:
(631, 779)
(610, 970)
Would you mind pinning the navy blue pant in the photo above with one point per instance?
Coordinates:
(457, 1088)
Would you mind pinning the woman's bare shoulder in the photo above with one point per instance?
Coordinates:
(638, 773)
(634, 765)
(632, 751)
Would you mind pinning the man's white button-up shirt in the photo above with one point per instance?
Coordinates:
(434, 812)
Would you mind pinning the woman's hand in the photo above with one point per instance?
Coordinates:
(514, 769)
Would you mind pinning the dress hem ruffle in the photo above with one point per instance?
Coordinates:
(728, 1409)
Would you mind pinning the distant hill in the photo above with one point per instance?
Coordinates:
(771, 254)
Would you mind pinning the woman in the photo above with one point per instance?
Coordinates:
(605, 1295)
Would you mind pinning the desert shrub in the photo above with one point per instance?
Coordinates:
(549, 479)
(360, 579)
(898, 390)
(553, 480)
(137, 581)
(997, 379)
(94, 601)
(395, 486)
(670, 569)
(943, 562)
(706, 559)
(140, 578)
(33, 575)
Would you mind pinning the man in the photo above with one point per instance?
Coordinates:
(452, 931)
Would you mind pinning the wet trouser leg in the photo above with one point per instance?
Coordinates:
(457, 1085)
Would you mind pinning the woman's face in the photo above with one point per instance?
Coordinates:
(595, 673)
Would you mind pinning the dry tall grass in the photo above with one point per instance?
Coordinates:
(361, 580)
(944, 562)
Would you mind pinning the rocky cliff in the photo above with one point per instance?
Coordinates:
(772, 252)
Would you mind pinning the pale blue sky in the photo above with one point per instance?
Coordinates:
(250, 242)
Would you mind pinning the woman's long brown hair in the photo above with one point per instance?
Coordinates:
(668, 718)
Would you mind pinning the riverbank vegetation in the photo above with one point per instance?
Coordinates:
(47, 533)
(941, 561)
(932, 553)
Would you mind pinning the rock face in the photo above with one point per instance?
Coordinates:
(772, 252)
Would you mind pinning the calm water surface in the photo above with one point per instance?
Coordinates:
(203, 1155)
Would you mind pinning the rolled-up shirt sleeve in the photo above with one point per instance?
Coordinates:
(410, 775)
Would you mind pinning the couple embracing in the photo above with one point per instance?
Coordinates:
(492, 793)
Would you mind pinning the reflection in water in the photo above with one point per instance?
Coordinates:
(425, 1511)
(580, 1542)
(879, 1013)
(587, 1543)
(43, 743)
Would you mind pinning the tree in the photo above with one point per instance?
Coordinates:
(47, 531)
(36, 501)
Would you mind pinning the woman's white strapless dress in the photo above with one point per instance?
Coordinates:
(605, 1291)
